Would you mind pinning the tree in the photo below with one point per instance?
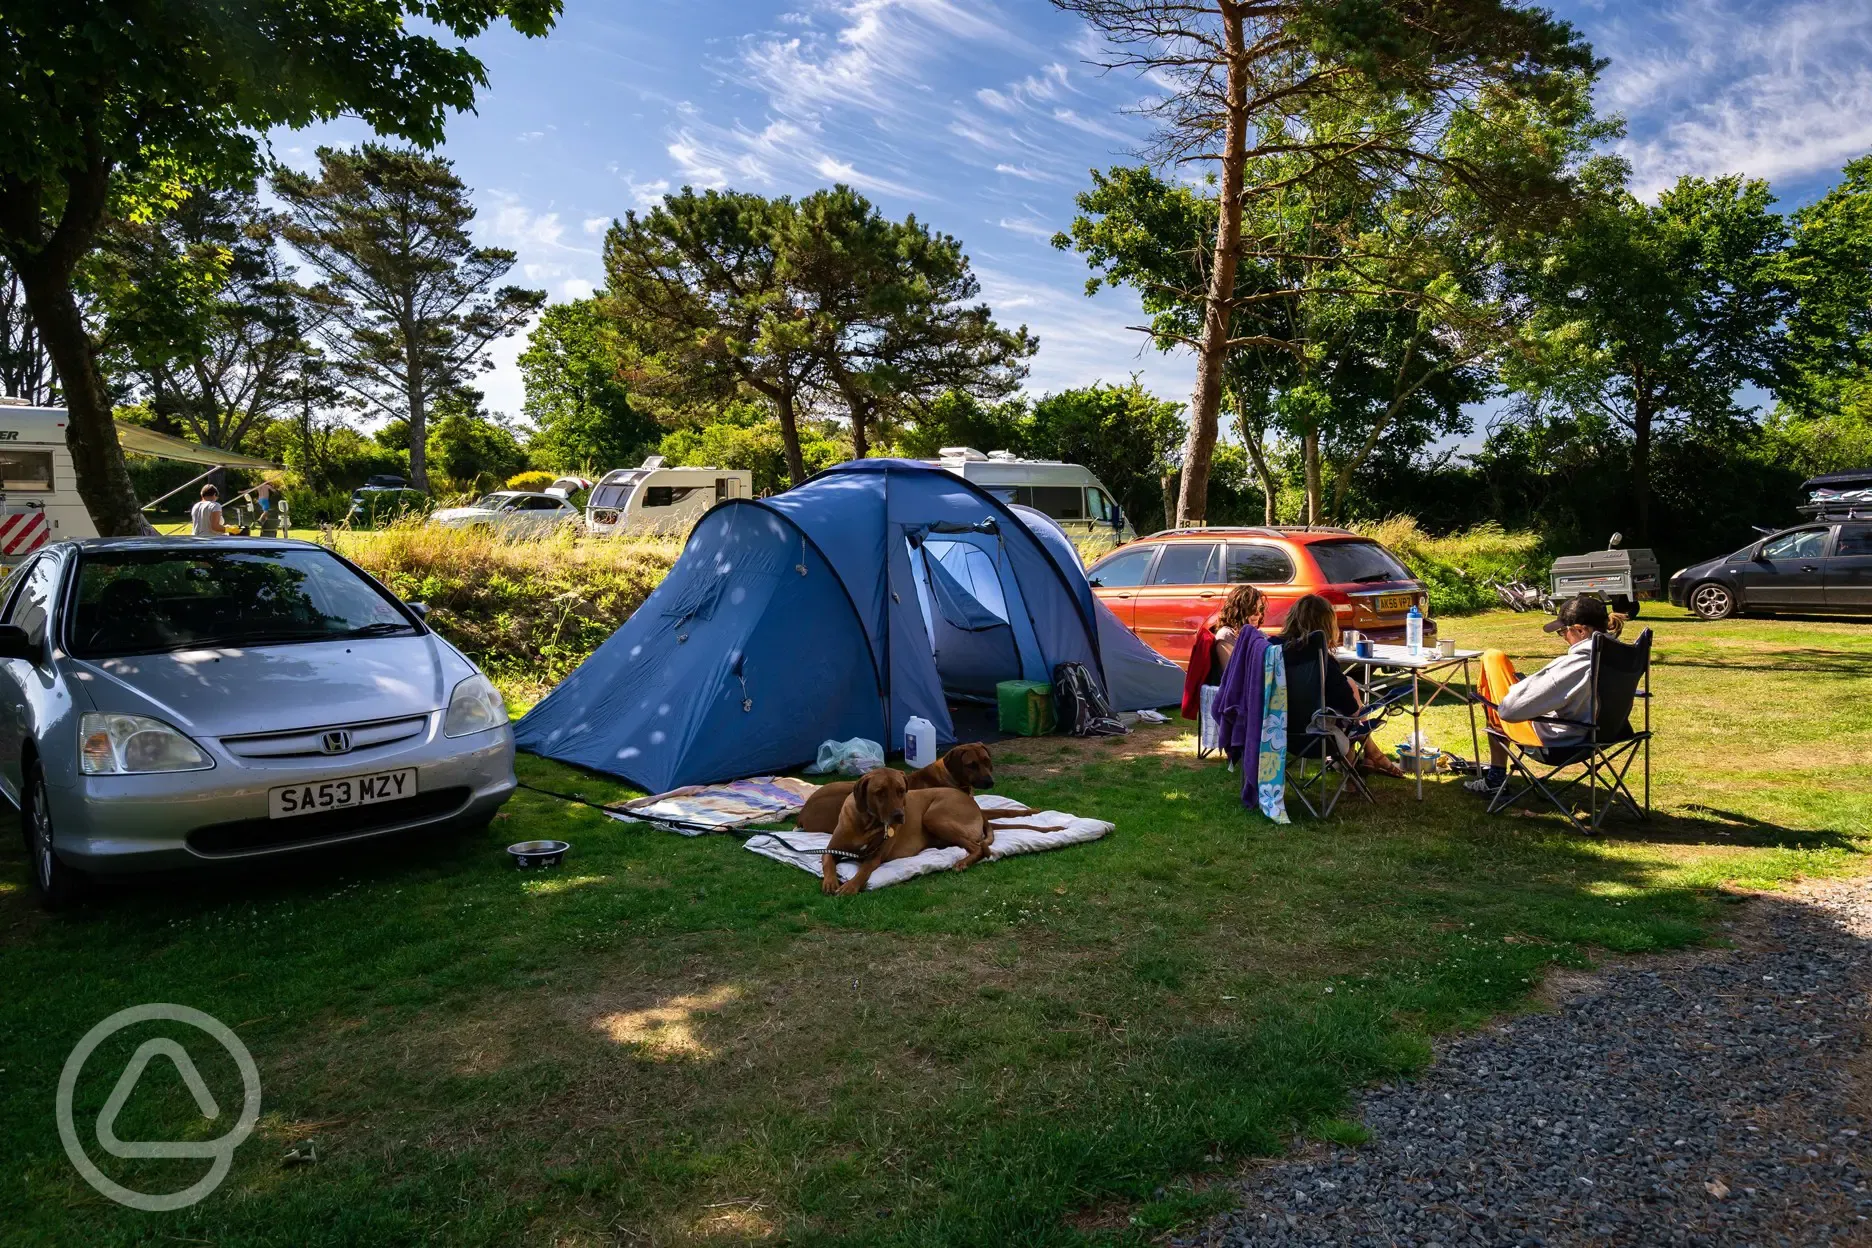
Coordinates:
(574, 368)
(697, 282)
(1275, 94)
(1651, 315)
(467, 446)
(199, 306)
(25, 369)
(112, 106)
(957, 419)
(411, 303)
(888, 303)
(1127, 436)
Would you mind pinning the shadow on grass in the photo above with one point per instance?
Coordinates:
(1822, 662)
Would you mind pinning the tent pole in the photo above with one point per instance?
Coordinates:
(178, 489)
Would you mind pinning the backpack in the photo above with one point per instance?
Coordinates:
(1080, 707)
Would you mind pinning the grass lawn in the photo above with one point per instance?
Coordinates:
(675, 1041)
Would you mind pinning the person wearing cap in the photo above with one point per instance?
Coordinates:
(1530, 710)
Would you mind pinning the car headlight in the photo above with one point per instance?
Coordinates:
(475, 706)
(120, 745)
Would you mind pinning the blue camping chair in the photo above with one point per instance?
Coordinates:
(1317, 734)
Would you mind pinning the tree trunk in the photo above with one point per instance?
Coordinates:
(789, 437)
(861, 445)
(1169, 483)
(1310, 448)
(1257, 453)
(1641, 466)
(97, 457)
(418, 426)
(1219, 303)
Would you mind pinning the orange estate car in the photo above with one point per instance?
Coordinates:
(1166, 586)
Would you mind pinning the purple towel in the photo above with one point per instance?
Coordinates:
(1238, 705)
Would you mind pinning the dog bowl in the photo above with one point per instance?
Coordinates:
(538, 853)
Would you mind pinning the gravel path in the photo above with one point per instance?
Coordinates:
(1718, 1099)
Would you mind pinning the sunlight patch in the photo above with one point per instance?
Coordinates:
(667, 1030)
(563, 884)
(740, 1223)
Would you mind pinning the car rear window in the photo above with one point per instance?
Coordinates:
(1349, 563)
(148, 601)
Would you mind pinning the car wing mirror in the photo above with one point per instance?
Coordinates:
(418, 609)
(16, 643)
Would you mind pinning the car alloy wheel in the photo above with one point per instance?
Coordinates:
(56, 883)
(1712, 601)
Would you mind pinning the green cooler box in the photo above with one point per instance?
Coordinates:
(1026, 707)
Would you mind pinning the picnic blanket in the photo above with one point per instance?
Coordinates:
(805, 849)
(700, 808)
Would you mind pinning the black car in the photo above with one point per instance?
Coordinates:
(1822, 568)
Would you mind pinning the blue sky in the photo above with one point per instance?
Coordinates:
(983, 116)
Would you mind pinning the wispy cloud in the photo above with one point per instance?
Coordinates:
(1773, 90)
(1084, 340)
(1026, 227)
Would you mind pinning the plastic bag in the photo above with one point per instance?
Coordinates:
(848, 758)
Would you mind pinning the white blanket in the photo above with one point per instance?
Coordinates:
(805, 849)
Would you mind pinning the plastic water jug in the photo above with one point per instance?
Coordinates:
(919, 742)
(1413, 631)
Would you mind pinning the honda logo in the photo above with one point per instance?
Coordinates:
(338, 742)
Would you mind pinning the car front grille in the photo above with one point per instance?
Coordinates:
(246, 836)
(310, 742)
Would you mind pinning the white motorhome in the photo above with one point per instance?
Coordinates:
(654, 499)
(39, 500)
(1068, 493)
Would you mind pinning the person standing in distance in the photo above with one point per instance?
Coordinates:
(205, 516)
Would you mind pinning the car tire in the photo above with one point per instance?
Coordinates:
(1712, 600)
(56, 884)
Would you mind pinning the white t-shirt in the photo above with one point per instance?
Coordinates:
(205, 516)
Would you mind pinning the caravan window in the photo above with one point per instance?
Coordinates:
(26, 472)
(667, 495)
(1062, 502)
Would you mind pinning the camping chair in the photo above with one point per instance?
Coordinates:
(1621, 677)
(1318, 734)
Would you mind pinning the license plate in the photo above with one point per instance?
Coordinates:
(1388, 603)
(309, 799)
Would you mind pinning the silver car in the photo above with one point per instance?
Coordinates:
(172, 701)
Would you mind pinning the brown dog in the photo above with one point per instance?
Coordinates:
(867, 823)
(928, 817)
(963, 768)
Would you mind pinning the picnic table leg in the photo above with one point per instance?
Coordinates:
(1475, 739)
(1416, 717)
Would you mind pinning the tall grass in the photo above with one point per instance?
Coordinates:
(526, 611)
(1455, 566)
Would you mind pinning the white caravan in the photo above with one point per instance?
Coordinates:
(655, 499)
(39, 500)
(1067, 493)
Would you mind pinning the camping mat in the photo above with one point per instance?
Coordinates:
(699, 808)
(805, 849)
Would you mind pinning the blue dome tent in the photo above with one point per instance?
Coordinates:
(875, 591)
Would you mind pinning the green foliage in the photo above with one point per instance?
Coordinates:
(574, 368)
(471, 451)
(531, 481)
(1124, 434)
(1455, 566)
(528, 612)
(410, 303)
(745, 437)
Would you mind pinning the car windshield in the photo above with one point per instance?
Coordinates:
(149, 601)
(1354, 563)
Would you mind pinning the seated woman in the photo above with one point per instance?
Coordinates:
(1245, 607)
(1527, 709)
(1313, 614)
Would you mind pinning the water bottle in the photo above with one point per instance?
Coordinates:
(919, 742)
(1413, 631)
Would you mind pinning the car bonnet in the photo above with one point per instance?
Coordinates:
(232, 691)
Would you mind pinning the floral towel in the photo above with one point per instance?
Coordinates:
(1271, 772)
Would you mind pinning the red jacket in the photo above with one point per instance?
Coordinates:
(1202, 654)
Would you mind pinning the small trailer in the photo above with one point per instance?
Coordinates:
(654, 499)
(1621, 577)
